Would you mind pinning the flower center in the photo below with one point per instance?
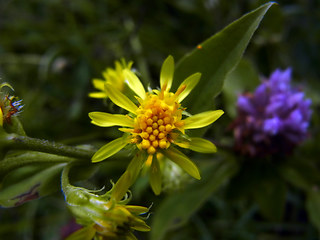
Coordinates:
(158, 116)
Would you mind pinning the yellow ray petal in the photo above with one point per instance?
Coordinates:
(202, 145)
(136, 209)
(190, 83)
(98, 84)
(120, 99)
(108, 120)
(128, 178)
(109, 149)
(84, 233)
(166, 74)
(183, 161)
(1, 117)
(134, 83)
(202, 119)
(139, 225)
(97, 95)
(155, 176)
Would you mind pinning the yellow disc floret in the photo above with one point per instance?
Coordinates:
(157, 117)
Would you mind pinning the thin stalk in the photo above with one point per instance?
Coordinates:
(15, 162)
(14, 141)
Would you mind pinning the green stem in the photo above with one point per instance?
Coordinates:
(14, 141)
(15, 162)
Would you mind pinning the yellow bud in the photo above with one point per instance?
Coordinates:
(151, 150)
(149, 121)
(144, 135)
(149, 130)
(162, 128)
(155, 143)
(145, 144)
(160, 121)
(152, 138)
(166, 120)
(156, 132)
(143, 125)
(163, 143)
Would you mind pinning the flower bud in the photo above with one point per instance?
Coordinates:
(103, 215)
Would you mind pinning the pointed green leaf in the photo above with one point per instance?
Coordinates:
(190, 83)
(108, 120)
(216, 57)
(202, 119)
(134, 83)
(120, 99)
(28, 183)
(155, 176)
(177, 208)
(109, 149)
(183, 161)
(166, 74)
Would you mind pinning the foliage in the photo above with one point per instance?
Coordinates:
(51, 50)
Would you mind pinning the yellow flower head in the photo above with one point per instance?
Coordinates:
(155, 125)
(113, 76)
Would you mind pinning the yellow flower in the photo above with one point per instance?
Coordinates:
(155, 126)
(113, 76)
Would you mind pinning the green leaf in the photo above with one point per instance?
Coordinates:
(313, 207)
(176, 209)
(301, 174)
(216, 57)
(29, 183)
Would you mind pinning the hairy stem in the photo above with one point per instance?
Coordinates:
(14, 141)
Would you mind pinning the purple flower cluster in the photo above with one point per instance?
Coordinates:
(272, 120)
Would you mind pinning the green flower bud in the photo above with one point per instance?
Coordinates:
(102, 215)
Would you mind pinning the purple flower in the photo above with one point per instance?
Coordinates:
(272, 120)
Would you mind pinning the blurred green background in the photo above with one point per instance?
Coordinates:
(51, 49)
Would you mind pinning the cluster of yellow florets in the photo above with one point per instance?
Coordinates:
(158, 115)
